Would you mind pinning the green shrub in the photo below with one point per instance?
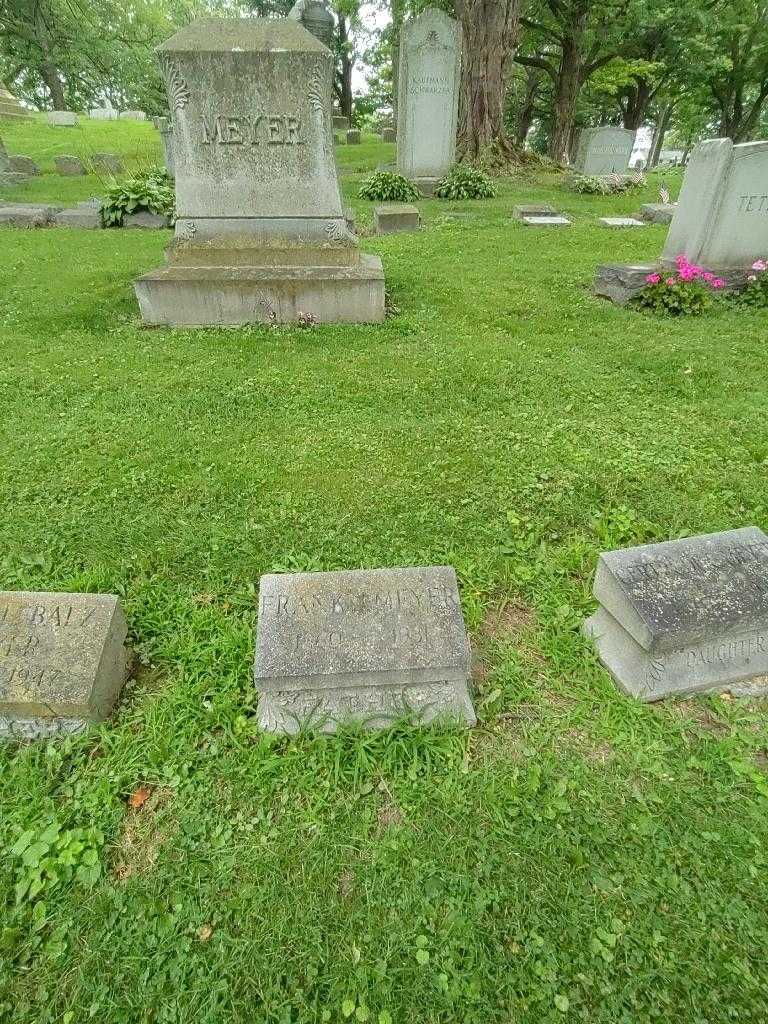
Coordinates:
(389, 187)
(465, 182)
(607, 184)
(151, 190)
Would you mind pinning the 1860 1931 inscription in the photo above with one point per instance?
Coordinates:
(686, 616)
(63, 661)
(363, 645)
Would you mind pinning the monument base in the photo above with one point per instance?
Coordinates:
(621, 282)
(205, 296)
(709, 667)
(426, 186)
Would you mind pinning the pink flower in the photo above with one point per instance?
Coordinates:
(760, 265)
(718, 283)
(708, 276)
(653, 278)
(670, 280)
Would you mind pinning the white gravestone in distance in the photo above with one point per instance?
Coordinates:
(261, 233)
(685, 616)
(363, 645)
(604, 150)
(428, 95)
(721, 218)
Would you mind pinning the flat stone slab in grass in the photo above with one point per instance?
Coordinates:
(621, 282)
(621, 222)
(87, 217)
(686, 616)
(69, 166)
(658, 213)
(534, 210)
(23, 216)
(24, 165)
(146, 220)
(392, 217)
(538, 221)
(364, 645)
(62, 118)
(63, 661)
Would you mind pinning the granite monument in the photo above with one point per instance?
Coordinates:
(604, 151)
(260, 232)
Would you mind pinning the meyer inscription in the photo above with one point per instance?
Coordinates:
(269, 129)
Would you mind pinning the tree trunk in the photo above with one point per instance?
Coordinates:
(50, 75)
(526, 113)
(345, 84)
(398, 14)
(567, 89)
(638, 99)
(490, 30)
(659, 132)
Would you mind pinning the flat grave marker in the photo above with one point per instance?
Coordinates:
(685, 616)
(361, 645)
(63, 661)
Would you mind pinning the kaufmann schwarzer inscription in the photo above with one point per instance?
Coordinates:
(367, 646)
(63, 661)
(683, 617)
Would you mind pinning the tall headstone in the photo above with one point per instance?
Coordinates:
(604, 150)
(686, 616)
(428, 96)
(165, 127)
(316, 18)
(363, 645)
(260, 232)
(63, 661)
(721, 218)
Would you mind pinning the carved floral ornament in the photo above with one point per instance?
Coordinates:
(178, 91)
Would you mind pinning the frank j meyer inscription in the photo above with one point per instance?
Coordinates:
(368, 645)
(685, 616)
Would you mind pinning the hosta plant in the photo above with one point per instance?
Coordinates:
(388, 187)
(151, 190)
(465, 182)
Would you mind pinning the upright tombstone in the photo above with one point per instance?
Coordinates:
(63, 661)
(9, 176)
(260, 232)
(686, 616)
(133, 115)
(428, 97)
(165, 127)
(103, 114)
(316, 18)
(62, 118)
(363, 645)
(721, 218)
(604, 151)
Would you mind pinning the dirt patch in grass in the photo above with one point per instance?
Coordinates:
(141, 838)
(589, 747)
(389, 815)
(507, 619)
(694, 713)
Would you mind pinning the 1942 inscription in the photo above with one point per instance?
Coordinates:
(262, 129)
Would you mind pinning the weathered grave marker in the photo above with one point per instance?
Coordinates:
(392, 217)
(363, 645)
(63, 661)
(686, 616)
(604, 150)
(62, 118)
(428, 96)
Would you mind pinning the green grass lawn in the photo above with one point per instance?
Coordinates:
(578, 856)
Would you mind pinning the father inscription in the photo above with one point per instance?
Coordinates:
(362, 645)
(685, 616)
(62, 661)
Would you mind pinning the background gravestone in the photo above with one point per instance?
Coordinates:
(428, 96)
(165, 127)
(261, 233)
(62, 661)
(62, 118)
(685, 616)
(362, 645)
(721, 217)
(604, 150)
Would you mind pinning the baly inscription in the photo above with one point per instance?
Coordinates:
(262, 129)
(39, 615)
